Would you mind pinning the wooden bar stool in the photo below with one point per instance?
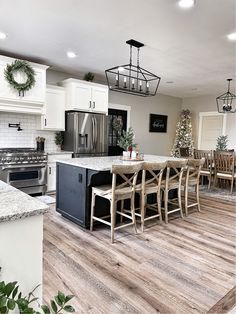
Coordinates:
(192, 178)
(117, 192)
(173, 180)
(151, 184)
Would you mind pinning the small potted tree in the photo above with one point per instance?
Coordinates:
(126, 141)
(59, 138)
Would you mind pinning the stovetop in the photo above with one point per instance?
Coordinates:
(12, 156)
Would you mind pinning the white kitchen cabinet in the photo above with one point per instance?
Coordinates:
(53, 117)
(33, 100)
(86, 96)
(51, 171)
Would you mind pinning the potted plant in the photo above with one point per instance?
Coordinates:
(221, 142)
(12, 299)
(59, 138)
(126, 141)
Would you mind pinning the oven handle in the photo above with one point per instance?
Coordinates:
(25, 166)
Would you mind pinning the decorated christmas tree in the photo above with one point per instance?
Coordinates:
(183, 138)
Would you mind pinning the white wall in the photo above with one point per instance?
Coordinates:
(141, 107)
(10, 137)
(205, 104)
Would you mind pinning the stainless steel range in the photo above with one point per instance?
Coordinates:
(24, 168)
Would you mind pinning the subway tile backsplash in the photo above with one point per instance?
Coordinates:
(10, 137)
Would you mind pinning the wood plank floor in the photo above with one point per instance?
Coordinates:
(186, 266)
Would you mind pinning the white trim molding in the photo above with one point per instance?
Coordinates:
(210, 113)
(122, 107)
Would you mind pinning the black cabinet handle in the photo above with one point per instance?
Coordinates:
(80, 177)
(93, 104)
(45, 122)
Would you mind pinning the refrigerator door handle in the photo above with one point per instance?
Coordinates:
(95, 132)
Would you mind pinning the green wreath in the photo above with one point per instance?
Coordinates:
(22, 66)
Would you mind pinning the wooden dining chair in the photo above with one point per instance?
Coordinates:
(224, 167)
(117, 192)
(206, 169)
(152, 175)
(173, 180)
(191, 179)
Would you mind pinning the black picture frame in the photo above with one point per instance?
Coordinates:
(158, 123)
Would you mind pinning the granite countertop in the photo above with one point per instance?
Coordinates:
(58, 152)
(105, 163)
(15, 204)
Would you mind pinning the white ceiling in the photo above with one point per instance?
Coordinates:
(188, 47)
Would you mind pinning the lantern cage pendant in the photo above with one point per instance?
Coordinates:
(226, 103)
(132, 79)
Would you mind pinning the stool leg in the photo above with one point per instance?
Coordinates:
(142, 210)
(121, 209)
(186, 200)
(113, 218)
(180, 203)
(159, 205)
(133, 214)
(166, 205)
(198, 199)
(92, 210)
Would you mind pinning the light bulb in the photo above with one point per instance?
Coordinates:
(186, 3)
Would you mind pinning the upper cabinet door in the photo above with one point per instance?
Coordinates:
(100, 99)
(54, 110)
(82, 97)
(85, 96)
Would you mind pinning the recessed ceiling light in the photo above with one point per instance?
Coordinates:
(186, 3)
(3, 35)
(232, 36)
(71, 54)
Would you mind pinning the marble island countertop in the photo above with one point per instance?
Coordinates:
(15, 204)
(105, 163)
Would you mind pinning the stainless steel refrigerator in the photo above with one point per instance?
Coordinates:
(86, 134)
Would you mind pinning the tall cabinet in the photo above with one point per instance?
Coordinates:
(86, 96)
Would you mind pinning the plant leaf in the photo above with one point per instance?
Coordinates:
(54, 306)
(3, 310)
(61, 296)
(69, 308)
(58, 300)
(3, 301)
(14, 293)
(45, 309)
(9, 288)
(11, 304)
(69, 297)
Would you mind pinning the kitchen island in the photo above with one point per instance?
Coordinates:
(21, 239)
(76, 176)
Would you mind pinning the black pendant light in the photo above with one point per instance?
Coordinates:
(132, 79)
(226, 103)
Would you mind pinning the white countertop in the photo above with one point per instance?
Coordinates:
(58, 152)
(15, 204)
(105, 163)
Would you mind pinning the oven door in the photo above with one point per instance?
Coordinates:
(26, 177)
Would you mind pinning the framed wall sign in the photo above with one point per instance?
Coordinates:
(157, 123)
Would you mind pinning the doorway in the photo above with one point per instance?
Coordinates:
(117, 123)
(211, 126)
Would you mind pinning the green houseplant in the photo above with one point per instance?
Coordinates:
(12, 299)
(126, 140)
(221, 142)
(59, 138)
